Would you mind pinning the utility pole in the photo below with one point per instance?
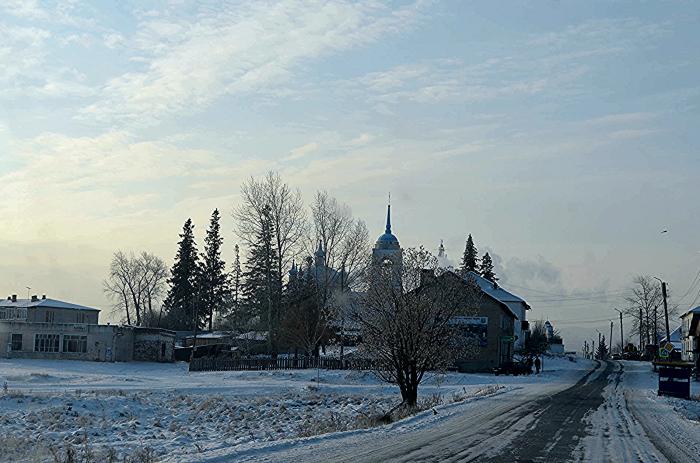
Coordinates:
(622, 336)
(610, 342)
(640, 331)
(656, 321)
(664, 293)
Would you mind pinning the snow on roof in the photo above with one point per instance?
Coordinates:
(48, 303)
(213, 335)
(253, 336)
(696, 310)
(494, 290)
(675, 335)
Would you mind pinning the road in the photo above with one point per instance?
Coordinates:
(593, 420)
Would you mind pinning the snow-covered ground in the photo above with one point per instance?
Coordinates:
(635, 424)
(163, 408)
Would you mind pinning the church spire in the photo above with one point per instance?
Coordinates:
(388, 216)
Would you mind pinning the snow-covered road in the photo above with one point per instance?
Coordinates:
(610, 415)
(571, 412)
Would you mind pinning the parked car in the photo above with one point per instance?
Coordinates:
(512, 368)
(616, 357)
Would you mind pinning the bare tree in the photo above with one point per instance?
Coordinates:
(135, 284)
(408, 327)
(645, 297)
(286, 211)
(345, 240)
(154, 282)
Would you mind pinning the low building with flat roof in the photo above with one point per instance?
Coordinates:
(51, 329)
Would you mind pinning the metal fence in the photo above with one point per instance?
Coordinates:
(260, 364)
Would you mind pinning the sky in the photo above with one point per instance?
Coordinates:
(562, 135)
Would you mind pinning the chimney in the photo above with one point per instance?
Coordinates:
(9, 298)
(35, 298)
(495, 285)
(14, 298)
(43, 297)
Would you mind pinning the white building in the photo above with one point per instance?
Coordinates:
(690, 334)
(51, 329)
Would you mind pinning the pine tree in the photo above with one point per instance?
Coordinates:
(213, 279)
(601, 350)
(260, 288)
(470, 260)
(486, 268)
(180, 303)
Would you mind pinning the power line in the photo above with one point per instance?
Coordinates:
(691, 287)
(594, 294)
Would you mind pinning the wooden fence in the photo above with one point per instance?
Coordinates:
(259, 364)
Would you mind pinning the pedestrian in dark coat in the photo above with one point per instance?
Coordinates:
(538, 363)
(529, 365)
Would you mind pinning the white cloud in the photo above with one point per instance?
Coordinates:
(190, 60)
(302, 151)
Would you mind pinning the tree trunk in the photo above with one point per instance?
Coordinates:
(409, 394)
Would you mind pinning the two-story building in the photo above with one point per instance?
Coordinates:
(487, 325)
(52, 329)
(690, 335)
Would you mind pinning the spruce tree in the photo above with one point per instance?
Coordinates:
(601, 350)
(213, 279)
(260, 288)
(180, 303)
(486, 268)
(470, 260)
(236, 278)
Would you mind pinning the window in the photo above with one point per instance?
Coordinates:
(46, 342)
(10, 313)
(75, 344)
(16, 342)
(81, 317)
(48, 316)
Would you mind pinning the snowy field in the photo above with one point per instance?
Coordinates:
(153, 412)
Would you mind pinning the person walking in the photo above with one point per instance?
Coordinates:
(538, 363)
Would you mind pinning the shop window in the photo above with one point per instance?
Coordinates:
(74, 344)
(46, 342)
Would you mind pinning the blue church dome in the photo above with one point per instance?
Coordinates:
(388, 237)
(388, 240)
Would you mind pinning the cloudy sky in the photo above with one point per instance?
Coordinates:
(562, 135)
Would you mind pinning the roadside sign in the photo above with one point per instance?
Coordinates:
(508, 338)
(663, 353)
(668, 347)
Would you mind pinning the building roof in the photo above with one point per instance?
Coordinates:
(48, 303)
(495, 291)
(675, 335)
(502, 304)
(696, 311)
